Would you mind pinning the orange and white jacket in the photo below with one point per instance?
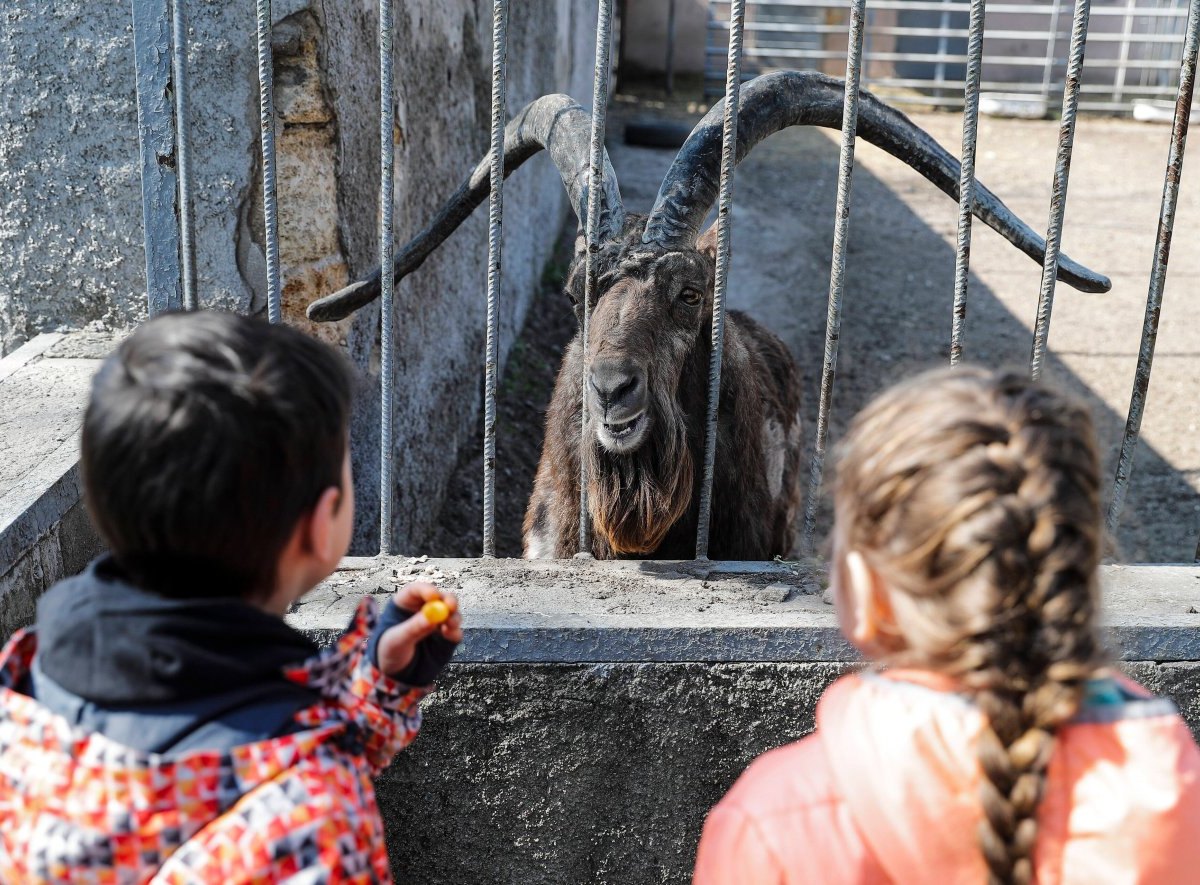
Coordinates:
(886, 790)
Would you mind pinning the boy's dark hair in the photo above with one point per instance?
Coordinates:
(207, 437)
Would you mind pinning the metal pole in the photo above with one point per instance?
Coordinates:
(595, 186)
(495, 242)
(184, 153)
(966, 178)
(1051, 48)
(1123, 58)
(837, 273)
(939, 72)
(1058, 199)
(387, 184)
(266, 123)
(1158, 272)
(157, 143)
(729, 128)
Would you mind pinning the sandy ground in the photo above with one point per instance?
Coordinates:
(900, 285)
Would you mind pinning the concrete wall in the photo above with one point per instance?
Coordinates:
(644, 36)
(70, 232)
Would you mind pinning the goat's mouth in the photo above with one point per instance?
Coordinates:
(623, 436)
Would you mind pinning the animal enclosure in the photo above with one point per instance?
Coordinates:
(162, 75)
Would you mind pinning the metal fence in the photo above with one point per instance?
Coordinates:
(163, 122)
(918, 51)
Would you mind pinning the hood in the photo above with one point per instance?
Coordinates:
(109, 642)
(1121, 801)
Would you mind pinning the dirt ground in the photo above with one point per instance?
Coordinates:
(899, 293)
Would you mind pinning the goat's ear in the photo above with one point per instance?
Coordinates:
(580, 242)
(707, 244)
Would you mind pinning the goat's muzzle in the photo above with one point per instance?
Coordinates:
(619, 403)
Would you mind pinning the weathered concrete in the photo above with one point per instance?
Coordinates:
(70, 229)
(596, 711)
(45, 533)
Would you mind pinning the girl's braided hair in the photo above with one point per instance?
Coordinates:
(976, 497)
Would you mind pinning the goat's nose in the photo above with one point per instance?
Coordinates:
(617, 385)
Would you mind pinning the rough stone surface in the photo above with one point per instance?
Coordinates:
(71, 227)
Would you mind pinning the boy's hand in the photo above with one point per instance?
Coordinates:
(398, 646)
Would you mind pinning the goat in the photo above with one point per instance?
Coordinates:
(646, 359)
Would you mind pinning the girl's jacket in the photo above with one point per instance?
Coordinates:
(886, 791)
(76, 806)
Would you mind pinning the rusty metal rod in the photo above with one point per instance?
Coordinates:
(495, 243)
(966, 179)
(266, 125)
(592, 233)
(183, 152)
(837, 273)
(733, 89)
(1058, 199)
(1158, 271)
(387, 184)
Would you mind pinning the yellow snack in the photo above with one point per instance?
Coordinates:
(435, 611)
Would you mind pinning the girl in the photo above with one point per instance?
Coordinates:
(997, 746)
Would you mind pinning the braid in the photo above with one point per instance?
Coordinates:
(977, 497)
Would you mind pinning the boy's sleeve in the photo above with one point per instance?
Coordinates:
(384, 711)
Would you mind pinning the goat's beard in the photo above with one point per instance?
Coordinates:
(635, 498)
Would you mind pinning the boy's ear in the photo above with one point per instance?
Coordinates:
(322, 537)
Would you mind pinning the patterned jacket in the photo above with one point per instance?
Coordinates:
(78, 807)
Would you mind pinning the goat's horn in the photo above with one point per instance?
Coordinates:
(803, 98)
(555, 123)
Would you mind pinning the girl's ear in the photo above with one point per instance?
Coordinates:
(870, 607)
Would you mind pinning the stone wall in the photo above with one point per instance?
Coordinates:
(70, 232)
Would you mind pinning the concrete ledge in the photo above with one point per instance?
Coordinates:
(45, 534)
(581, 611)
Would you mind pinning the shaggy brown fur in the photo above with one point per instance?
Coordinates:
(645, 502)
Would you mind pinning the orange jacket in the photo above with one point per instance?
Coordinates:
(886, 791)
(78, 807)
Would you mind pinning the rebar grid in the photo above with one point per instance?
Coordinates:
(1158, 271)
(183, 154)
(495, 243)
(966, 179)
(1058, 198)
(729, 127)
(837, 273)
(266, 125)
(387, 185)
(595, 187)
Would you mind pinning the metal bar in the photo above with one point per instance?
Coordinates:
(943, 46)
(1123, 57)
(266, 125)
(387, 318)
(183, 142)
(1158, 272)
(1058, 199)
(159, 158)
(1051, 45)
(837, 272)
(966, 179)
(596, 172)
(907, 31)
(670, 60)
(729, 128)
(965, 6)
(495, 242)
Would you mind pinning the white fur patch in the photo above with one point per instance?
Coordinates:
(774, 450)
(795, 434)
(538, 546)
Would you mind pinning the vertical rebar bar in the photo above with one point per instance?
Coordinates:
(495, 243)
(595, 188)
(266, 122)
(966, 178)
(387, 280)
(183, 145)
(1158, 272)
(1058, 198)
(837, 271)
(729, 128)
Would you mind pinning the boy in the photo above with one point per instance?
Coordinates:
(162, 723)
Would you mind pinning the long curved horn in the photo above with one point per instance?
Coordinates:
(805, 98)
(555, 123)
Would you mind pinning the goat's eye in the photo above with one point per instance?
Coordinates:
(691, 296)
